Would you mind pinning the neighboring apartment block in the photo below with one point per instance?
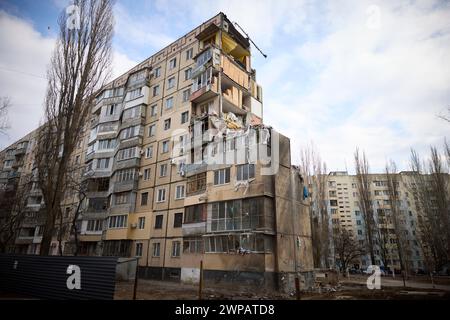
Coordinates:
(343, 200)
(180, 168)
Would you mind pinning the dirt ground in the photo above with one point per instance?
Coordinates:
(353, 289)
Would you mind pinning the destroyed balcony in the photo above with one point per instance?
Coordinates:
(206, 92)
(192, 169)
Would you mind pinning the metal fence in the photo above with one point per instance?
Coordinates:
(58, 277)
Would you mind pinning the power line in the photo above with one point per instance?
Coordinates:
(22, 72)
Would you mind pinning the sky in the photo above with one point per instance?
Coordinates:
(338, 74)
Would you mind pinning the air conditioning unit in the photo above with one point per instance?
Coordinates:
(133, 225)
(140, 174)
(141, 151)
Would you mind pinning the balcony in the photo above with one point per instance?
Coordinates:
(206, 92)
(194, 229)
(20, 150)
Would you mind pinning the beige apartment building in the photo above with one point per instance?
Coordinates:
(343, 200)
(181, 169)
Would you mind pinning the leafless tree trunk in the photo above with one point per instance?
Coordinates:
(445, 117)
(79, 67)
(5, 104)
(431, 191)
(347, 249)
(365, 200)
(398, 220)
(314, 172)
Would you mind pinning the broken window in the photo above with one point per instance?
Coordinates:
(245, 172)
(237, 243)
(195, 213)
(237, 215)
(196, 184)
(193, 245)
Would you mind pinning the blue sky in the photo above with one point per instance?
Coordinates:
(339, 74)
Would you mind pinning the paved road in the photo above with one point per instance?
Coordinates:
(389, 282)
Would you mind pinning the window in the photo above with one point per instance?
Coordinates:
(111, 109)
(153, 111)
(358, 222)
(360, 232)
(187, 74)
(106, 144)
(172, 63)
(146, 174)
(122, 198)
(186, 95)
(189, 53)
(163, 170)
(222, 176)
(129, 132)
(149, 152)
(332, 193)
(237, 214)
(185, 117)
(157, 72)
(169, 103)
(167, 124)
(178, 220)
(165, 146)
(176, 248)
(233, 243)
(179, 192)
(128, 153)
(171, 83)
(156, 90)
(94, 225)
(192, 245)
(103, 163)
(144, 198)
(138, 249)
(196, 183)
(245, 172)
(158, 221)
(333, 203)
(132, 113)
(202, 80)
(117, 221)
(136, 93)
(151, 130)
(196, 213)
(357, 213)
(125, 175)
(141, 222)
(161, 195)
(77, 159)
(156, 249)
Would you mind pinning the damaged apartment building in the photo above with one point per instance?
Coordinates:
(180, 168)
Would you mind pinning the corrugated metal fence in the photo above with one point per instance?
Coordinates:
(47, 277)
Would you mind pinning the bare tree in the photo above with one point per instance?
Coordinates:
(314, 172)
(5, 104)
(445, 117)
(397, 217)
(430, 188)
(347, 249)
(365, 200)
(13, 204)
(79, 67)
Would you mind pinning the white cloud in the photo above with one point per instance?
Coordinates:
(23, 59)
(377, 89)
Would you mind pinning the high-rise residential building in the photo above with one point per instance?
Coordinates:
(180, 168)
(343, 201)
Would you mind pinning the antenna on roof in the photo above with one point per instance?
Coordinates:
(237, 25)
